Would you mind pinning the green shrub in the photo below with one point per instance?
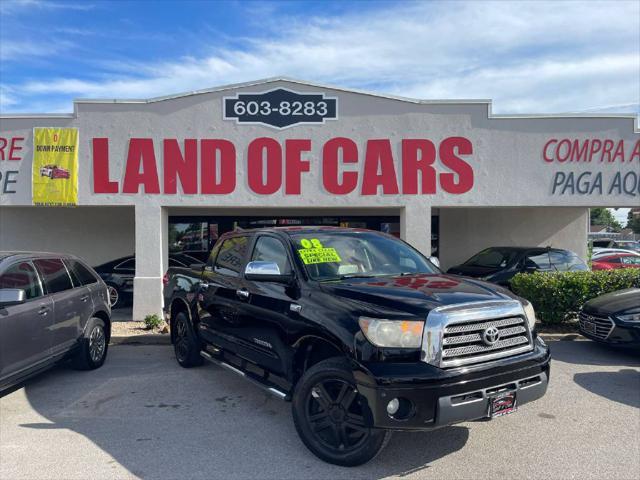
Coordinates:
(557, 297)
(152, 321)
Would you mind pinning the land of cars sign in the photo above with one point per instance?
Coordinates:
(211, 166)
(280, 108)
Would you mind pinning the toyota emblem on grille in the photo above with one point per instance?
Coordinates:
(490, 335)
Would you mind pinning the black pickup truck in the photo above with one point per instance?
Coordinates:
(359, 331)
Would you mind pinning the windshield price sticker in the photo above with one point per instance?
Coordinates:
(311, 256)
(313, 252)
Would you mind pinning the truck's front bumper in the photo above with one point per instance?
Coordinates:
(443, 397)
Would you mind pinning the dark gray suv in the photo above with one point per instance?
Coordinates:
(52, 307)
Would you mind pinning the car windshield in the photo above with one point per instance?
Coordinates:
(492, 257)
(340, 255)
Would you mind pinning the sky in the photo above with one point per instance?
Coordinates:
(529, 57)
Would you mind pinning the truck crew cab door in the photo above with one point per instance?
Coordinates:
(268, 310)
(221, 290)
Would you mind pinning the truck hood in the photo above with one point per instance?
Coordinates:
(416, 294)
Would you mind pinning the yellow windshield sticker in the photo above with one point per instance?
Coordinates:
(310, 243)
(312, 255)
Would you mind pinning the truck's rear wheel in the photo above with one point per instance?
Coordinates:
(328, 415)
(185, 344)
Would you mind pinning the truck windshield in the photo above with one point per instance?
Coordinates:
(340, 255)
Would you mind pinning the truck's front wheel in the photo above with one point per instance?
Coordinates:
(328, 415)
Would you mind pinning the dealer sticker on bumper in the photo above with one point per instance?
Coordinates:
(503, 404)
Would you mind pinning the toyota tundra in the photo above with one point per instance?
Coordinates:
(359, 331)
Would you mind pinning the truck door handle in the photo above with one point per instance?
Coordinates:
(242, 293)
(43, 310)
(84, 298)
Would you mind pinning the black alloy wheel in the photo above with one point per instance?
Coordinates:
(185, 345)
(335, 415)
(329, 415)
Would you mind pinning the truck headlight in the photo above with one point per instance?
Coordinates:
(630, 317)
(392, 333)
(530, 313)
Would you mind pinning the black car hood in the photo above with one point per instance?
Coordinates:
(474, 270)
(417, 294)
(615, 303)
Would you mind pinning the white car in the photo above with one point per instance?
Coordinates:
(600, 252)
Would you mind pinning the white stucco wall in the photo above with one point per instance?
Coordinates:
(466, 231)
(97, 234)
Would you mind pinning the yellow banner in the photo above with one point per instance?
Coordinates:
(55, 166)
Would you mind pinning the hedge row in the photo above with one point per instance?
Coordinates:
(557, 297)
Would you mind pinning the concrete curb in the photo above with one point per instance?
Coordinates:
(149, 339)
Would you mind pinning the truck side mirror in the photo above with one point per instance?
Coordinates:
(266, 272)
(12, 296)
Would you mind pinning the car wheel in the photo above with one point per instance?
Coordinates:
(329, 417)
(93, 346)
(185, 344)
(115, 299)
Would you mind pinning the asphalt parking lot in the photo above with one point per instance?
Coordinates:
(142, 416)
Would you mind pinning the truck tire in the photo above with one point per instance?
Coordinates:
(327, 413)
(185, 343)
(93, 346)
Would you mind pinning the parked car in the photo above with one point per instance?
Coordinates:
(615, 261)
(359, 331)
(601, 252)
(500, 264)
(613, 318)
(610, 243)
(629, 245)
(52, 307)
(118, 274)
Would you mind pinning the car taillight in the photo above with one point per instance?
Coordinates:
(165, 279)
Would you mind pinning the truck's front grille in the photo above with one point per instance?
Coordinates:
(602, 326)
(475, 333)
(462, 348)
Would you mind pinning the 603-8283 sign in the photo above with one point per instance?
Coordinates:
(280, 108)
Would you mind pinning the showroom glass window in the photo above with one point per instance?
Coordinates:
(270, 249)
(23, 276)
(231, 256)
(55, 275)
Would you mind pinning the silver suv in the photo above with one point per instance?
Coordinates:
(52, 307)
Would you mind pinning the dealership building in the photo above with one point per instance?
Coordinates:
(172, 174)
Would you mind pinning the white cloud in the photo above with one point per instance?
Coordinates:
(527, 56)
(9, 7)
(18, 50)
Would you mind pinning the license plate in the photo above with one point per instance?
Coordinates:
(589, 327)
(503, 404)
